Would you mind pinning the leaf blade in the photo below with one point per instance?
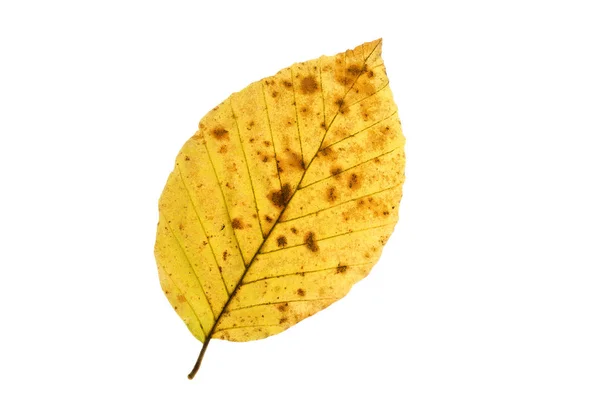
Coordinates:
(292, 188)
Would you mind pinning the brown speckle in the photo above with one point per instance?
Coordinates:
(187, 158)
(309, 85)
(301, 292)
(331, 194)
(281, 197)
(310, 242)
(237, 223)
(294, 230)
(268, 219)
(341, 269)
(281, 241)
(225, 254)
(220, 133)
(287, 84)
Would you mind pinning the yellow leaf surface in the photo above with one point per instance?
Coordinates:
(283, 199)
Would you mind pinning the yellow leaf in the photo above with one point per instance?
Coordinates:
(283, 199)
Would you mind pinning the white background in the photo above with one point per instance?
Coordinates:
(488, 289)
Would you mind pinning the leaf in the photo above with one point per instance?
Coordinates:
(283, 199)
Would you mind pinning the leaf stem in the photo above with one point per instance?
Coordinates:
(199, 360)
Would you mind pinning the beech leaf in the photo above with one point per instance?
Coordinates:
(283, 198)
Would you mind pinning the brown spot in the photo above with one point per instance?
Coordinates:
(265, 159)
(237, 223)
(225, 254)
(341, 269)
(336, 170)
(339, 102)
(187, 158)
(281, 197)
(181, 298)
(281, 241)
(267, 143)
(220, 270)
(323, 125)
(268, 219)
(287, 84)
(274, 94)
(223, 149)
(220, 133)
(283, 307)
(180, 226)
(310, 242)
(353, 181)
(301, 292)
(296, 161)
(283, 320)
(309, 85)
(331, 194)
(371, 74)
(354, 70)
(250, 125)
(294, 230)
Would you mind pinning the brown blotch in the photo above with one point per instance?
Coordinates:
(268, 219)
(331, 194)
(237, 223)
(283, 307)
(309, 85)
(301, 292)
(281, 197)
(225, 254)
(341, 269)
(310, 242)
(220, 133)
(354, 181)
(281, 241)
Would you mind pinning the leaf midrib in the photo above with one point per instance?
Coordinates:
(249, 265)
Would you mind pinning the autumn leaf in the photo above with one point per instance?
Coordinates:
(283, 199)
